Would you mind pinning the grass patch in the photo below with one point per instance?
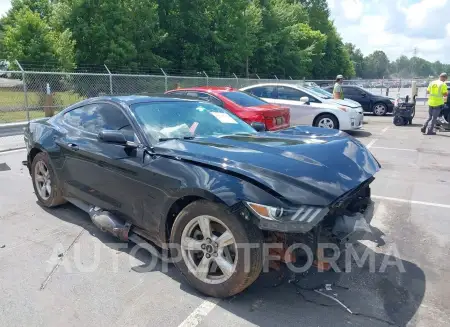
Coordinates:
(16, 99)
(12, 104)
(20, 115)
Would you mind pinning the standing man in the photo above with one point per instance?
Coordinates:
(338, 92)
(437, 90)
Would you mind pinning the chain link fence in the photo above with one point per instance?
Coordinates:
(26, 95)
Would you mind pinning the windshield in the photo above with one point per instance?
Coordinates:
(325, 94)
(313, 92)
(182, 119)
(244, 99)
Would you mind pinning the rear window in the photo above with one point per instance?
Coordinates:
(244, 99)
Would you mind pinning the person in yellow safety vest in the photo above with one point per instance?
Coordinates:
(338, 91)
(436, 91)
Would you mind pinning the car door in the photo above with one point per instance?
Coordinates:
(103, 174)
(301, 113)
(355, 94)
(364, 98)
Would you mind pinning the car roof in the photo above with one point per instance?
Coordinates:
(273, 84)
(207, 89)
(133, 99)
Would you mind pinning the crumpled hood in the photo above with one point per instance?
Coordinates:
(303, 165)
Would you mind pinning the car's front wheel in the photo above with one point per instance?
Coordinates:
(326, 121)
(379, 109)
(45, 182)
(218, 253)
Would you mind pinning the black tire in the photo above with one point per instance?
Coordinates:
(375, 109)
(331, 117)
(55, 198)
(399, 121)
(243, 232)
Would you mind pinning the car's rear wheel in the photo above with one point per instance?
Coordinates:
(45, 183)
(211, 244)
(379, 109)
(326, 121)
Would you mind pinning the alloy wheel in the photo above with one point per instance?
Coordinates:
(379, 110)
(42, 180)
(209, 249)
(326, 123)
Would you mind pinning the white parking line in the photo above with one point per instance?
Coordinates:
(384, 130)
(371, 143)
(431, 204)
(11, 151)
(200, 312)
(399, 149)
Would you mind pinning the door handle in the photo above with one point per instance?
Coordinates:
(73, 146)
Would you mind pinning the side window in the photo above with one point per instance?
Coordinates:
(205, 97)
(351, 91)
(264, 92)
(177, 93)
(192, 94)
(216, 101)
(94, 118)
(289, 93)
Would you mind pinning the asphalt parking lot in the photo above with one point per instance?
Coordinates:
(57, 269)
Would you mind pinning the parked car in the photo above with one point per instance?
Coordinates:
(193, 178)
(320, 90)
(378, 104)
(247, 107)
(310, 108)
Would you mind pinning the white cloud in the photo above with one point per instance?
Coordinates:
(5, 5)
(395, 26)
(354, 9)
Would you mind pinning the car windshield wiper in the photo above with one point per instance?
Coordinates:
(162, 139)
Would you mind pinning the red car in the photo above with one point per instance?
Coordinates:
(247, 107)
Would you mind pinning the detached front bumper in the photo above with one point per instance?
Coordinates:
(351, 228)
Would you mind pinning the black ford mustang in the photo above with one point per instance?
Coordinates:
(186, 172)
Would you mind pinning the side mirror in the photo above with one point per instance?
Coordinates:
(110, 136)
(259, 127)
(305, 100)
(363, 94)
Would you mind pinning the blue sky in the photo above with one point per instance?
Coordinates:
(394, 26)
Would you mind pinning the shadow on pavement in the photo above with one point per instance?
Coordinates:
(359, 133)
(388, 292)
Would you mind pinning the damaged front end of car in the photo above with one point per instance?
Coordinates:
(324, 232)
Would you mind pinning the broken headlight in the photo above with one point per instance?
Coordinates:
(304, 213)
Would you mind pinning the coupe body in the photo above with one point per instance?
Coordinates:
(247, 107)
(186, 172)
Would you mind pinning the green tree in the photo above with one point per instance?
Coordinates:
(421, 67)
(336, 59)
(318, 14)
(30, 39)
(357, 58)
(401, 67)
(287, 47)
(376, 65)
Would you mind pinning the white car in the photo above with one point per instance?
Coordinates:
(309, 107)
